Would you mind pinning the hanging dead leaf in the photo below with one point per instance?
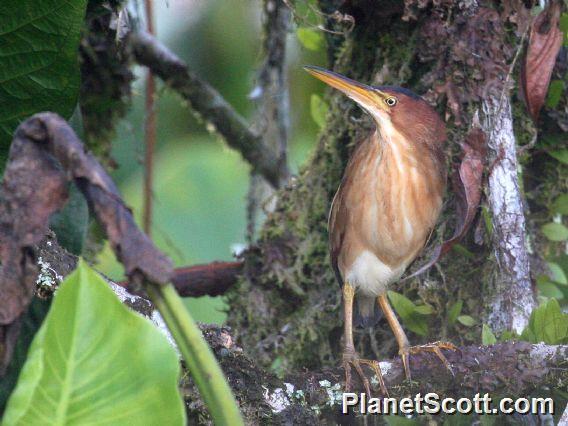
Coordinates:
(45, 149)
(467, 183)
(545, 41)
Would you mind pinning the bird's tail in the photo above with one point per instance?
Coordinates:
(367, 313)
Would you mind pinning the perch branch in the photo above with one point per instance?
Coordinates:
(507, 369)
(209, 104)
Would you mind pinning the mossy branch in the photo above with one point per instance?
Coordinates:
(210, 106)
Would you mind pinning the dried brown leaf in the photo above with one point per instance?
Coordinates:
(45, 156)
(545, 41)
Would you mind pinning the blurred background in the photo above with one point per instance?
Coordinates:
(200, 185)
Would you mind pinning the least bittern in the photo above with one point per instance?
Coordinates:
(388, 202)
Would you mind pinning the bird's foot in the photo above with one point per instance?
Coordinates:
(435, 347)
(351, 359)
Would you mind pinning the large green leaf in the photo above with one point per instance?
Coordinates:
(96, 362)
(547, 324)
(39, 68)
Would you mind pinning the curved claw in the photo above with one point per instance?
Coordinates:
(435, 347)
(350, 360)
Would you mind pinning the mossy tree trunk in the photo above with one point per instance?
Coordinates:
(286, 310)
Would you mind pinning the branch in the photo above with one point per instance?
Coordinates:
(507, 369)
(149, 132)
(209, 104)
(212, 279)
(511, 299)
(273, 103)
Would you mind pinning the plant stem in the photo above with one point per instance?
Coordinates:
(149, 133)
(200, 360)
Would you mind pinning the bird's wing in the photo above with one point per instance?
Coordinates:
(336, 225)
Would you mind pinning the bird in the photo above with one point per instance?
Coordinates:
(386, 207)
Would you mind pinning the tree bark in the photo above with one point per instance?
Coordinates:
(273, 106)
(510, 298)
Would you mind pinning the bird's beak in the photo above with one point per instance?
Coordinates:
(366, 96)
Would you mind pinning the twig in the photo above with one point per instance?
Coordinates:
(336, 16)
(212, 279)
(217, 113)
(149, 131)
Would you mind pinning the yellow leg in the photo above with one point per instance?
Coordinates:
(399, 334)
(350, 356)
(404, 347)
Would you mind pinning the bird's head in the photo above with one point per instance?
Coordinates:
(392, 108)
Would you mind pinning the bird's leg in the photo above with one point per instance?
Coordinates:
(404, 347)
(350, 356)
(399, 334)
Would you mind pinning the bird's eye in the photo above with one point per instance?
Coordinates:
(390, 101)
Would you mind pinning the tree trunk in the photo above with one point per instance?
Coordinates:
(509, 296)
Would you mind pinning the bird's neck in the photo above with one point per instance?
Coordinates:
(394, 148)
(397, 149)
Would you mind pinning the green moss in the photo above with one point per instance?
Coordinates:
(105, 79)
